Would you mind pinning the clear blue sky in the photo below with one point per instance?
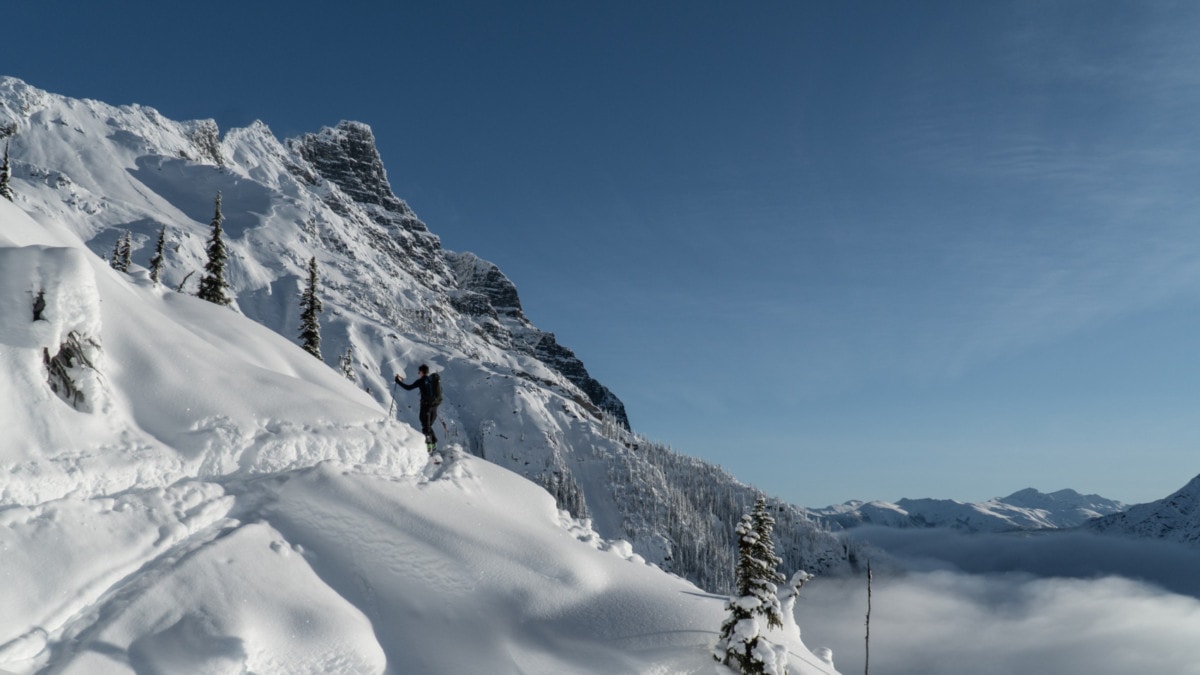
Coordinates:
(846, 250)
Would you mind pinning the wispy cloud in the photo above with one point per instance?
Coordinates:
(1063, 166)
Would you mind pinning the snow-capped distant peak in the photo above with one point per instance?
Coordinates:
(1174, 518)
(1024, 509)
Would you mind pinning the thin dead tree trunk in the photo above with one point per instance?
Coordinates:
(867, 662)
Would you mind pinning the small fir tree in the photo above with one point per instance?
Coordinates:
(763, 551)
(311, 308)
(741, 644)
(212, 284)
(125, 252)
(346, 364)
(156, 262)
(6, 176)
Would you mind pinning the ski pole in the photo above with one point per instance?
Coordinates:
(393, 404)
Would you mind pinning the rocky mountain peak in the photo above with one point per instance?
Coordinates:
(346, 155)
(394, 298)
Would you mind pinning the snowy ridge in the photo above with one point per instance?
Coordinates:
(144, 417)
(201, 495)
(393, 298)
(1173, 518)
(1025, 509)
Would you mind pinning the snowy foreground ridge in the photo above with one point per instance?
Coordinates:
(187, 491)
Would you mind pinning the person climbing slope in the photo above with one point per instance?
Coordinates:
(431, 398)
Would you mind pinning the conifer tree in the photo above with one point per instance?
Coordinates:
(212, 284)
(767, 583)
(156, 262)
(741, 644)
(125, 252)
(346, 364)
(311, 308)
(6, 176)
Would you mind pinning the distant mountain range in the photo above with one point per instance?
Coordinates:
(1024, 509)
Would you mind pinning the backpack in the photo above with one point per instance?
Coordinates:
(435, 388)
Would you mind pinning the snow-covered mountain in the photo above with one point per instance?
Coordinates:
(1173, 518)
(187, 491)
(1022, 510)
(394, 298)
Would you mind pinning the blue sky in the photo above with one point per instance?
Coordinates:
(846, 250)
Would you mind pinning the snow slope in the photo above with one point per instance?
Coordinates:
(208, 498)
(1025, 509)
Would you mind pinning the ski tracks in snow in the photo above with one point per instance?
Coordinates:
(81, 631)
(133, 542)
(130, 541)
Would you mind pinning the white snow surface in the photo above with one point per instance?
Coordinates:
(222, 502)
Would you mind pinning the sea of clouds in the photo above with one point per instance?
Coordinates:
(1056, 603)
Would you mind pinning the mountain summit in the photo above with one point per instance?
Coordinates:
(393, 298)
(187, 490)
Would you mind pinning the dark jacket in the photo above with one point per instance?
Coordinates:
(426, 387)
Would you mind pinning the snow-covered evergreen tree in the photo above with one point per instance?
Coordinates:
(766, 582)
(311, 308)
(212, 284)
(125, 252)
(742, 645)
(156, 262)
(346, 364)
(6, 176)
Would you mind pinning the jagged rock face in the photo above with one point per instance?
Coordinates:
(346, 155)
(564, 361)
(479, 276)
(207, 138)
(490, 295)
